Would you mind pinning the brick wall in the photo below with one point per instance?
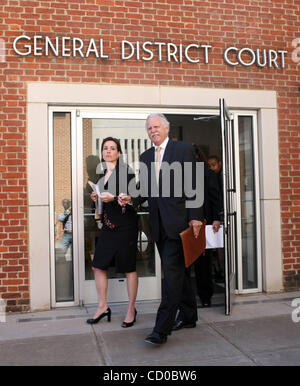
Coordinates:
(255, 24)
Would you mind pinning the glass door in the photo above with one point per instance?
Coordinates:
(230, 214)
(64, 289)
(249, 256)
(92, 128)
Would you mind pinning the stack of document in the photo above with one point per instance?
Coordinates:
(96, 189)
(214, 240)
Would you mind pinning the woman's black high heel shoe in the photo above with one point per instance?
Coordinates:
(106, 313)
(129, 324)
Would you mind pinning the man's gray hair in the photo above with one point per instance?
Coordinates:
(163, 119)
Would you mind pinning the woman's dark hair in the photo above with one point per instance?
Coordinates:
(115, 140)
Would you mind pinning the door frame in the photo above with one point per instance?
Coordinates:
(78, 112)
(71, 95)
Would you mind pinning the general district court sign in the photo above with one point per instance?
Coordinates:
(146, 51)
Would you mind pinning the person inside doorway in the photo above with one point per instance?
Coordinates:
(117, 242)
(212, 208)
(215, 164)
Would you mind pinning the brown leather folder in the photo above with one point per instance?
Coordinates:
(193, 247)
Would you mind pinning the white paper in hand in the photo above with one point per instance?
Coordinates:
(214, 240)
(96, 189)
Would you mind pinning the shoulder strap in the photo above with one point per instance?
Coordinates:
(66, 219)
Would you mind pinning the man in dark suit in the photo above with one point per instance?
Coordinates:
(170, 215)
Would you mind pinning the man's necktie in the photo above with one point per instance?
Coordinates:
(157, 164)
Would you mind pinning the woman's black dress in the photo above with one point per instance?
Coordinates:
(117, 242)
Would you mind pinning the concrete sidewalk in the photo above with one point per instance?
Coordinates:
(259, 332)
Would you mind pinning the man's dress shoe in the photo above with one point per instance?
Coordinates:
(156, 338)
(206, 303)
(179, 324)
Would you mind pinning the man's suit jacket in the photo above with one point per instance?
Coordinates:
(172, 210)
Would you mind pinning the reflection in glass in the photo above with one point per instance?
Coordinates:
(64, 284)
(134, 141)
(248, 210)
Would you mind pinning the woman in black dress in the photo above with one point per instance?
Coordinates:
(117, 242)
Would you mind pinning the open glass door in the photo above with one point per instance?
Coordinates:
(129, 128)
(229, 192)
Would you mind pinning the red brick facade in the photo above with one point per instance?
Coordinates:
(269, 24)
